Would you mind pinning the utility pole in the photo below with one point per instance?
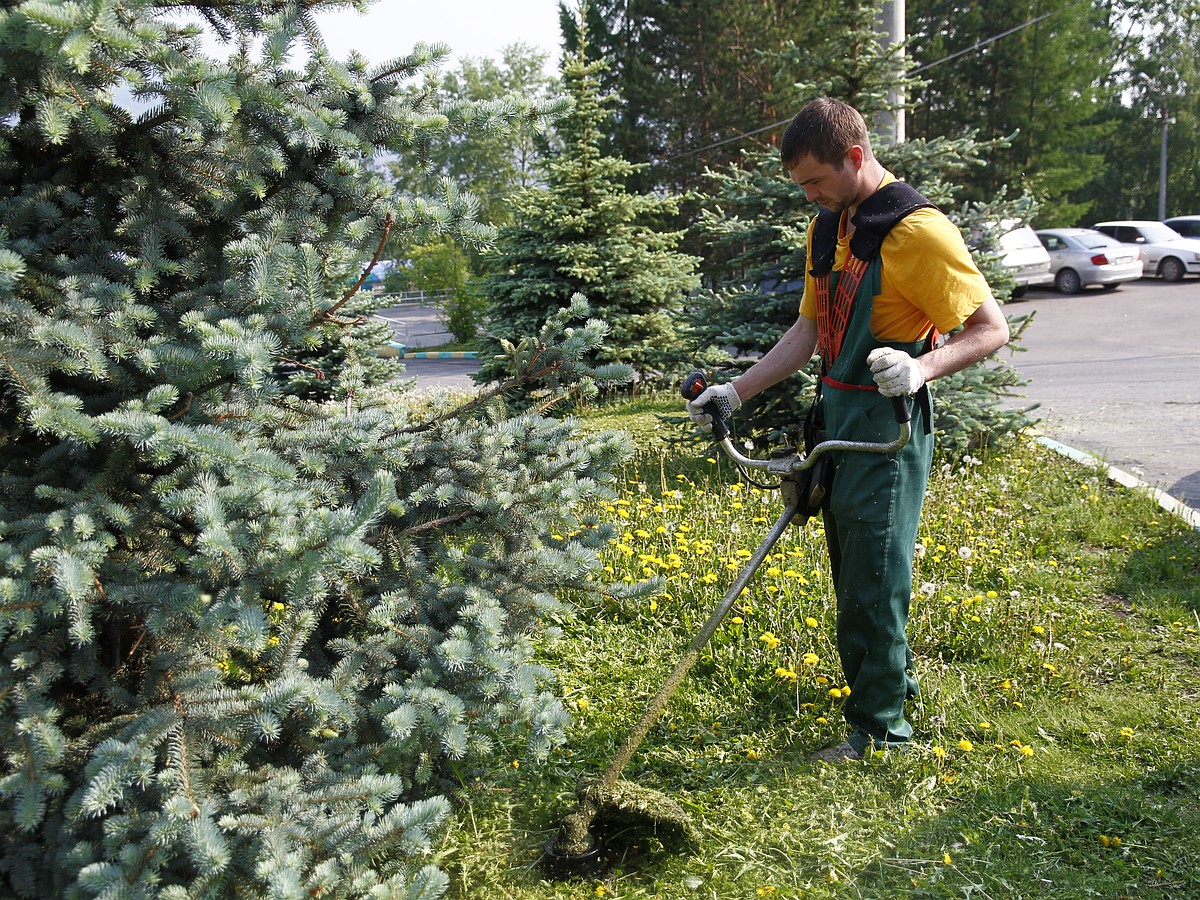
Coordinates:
(1162, 166)
(892, 31)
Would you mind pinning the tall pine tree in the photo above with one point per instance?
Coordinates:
(586, 232)
(243, 635)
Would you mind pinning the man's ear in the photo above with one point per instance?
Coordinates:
(856, 156)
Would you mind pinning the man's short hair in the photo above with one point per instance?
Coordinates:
(824, 129)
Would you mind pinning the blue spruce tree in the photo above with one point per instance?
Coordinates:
(584, 231)
(245, 634)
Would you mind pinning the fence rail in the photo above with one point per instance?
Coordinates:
(413, 298)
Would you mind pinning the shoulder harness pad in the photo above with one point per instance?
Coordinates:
(877, 215)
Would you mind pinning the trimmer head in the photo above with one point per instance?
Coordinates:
(608, 816)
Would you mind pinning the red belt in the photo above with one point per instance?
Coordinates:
(843, 386)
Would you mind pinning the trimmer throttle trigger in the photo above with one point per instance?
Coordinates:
(694, 385)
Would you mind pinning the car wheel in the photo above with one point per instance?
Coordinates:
(1111, 287)
(1171, 269)
(1067, 281)
(1017, 292)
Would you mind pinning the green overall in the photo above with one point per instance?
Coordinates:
(871, 517)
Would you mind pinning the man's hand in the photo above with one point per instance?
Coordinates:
(723, 395)
(896, 373)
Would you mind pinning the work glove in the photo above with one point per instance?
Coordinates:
(723, 395)
(896, 373)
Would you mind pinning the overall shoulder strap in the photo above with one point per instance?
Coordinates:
(879, 213)
(824, 234)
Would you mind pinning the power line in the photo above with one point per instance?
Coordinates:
(978, 45)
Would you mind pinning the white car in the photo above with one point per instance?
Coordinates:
(1025, 258)
(1188, 226)
(1083, 256)
(1165, 252)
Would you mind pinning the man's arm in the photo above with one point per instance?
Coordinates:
(984, 331)
(790, 354)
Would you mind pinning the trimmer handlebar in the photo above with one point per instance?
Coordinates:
(695, 384)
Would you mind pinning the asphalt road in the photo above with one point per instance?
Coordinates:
(1117, 375)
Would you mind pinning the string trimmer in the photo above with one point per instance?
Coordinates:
(577, 847)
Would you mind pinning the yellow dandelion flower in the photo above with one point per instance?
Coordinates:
(736, 620)
(835, 693)
(946, 858)
(811, 622)
(811, 659)
(965, 746)
(939, 752)
(1026, 750)
(769, 640)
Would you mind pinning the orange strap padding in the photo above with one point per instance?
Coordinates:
(833, 314)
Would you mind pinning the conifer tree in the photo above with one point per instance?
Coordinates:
(586, 232)
(243, 635)
(756, 221)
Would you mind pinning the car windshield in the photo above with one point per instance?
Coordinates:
(1154, 232)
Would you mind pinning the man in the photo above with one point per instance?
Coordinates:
(886, 272)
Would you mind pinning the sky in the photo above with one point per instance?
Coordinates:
(475, 28)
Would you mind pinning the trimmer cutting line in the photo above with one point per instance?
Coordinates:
(610, 802)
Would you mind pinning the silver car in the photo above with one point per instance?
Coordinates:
(1083, 256)
(1165, 251)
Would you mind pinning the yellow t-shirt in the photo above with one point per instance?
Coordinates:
(928, 277)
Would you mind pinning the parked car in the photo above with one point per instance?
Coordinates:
(1165, 252)
(1188, 226)
(1083, 256)
(1025, 258)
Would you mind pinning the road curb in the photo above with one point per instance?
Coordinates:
(403, 352)
(439, 354)
(1123, 478)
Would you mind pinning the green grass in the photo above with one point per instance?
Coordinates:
(1055, 624)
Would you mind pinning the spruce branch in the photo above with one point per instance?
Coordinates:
(481, 399)
(439, 523)
(387, 228)
(295, 362)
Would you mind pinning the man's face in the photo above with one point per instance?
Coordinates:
(833, 187)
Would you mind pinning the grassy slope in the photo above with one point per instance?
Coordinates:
(1054, 622)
